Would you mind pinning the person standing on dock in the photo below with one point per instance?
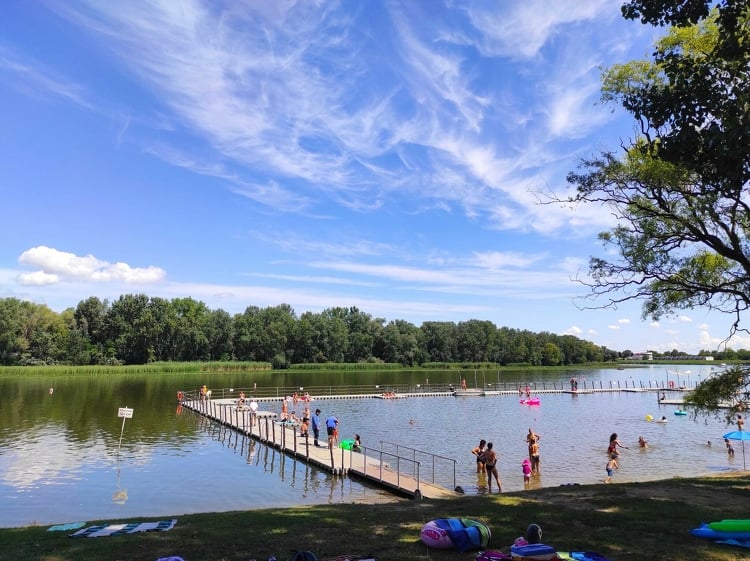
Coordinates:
(332, 424)
(316, 426)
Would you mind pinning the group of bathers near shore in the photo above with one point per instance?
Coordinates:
(486, 459)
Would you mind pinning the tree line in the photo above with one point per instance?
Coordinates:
(138, 329)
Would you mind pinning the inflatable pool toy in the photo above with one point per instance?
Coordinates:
(731, 525)
(649, 418)
(347, 444)
(709, 533)
(586, 556)
(680, 412)
(455, 533)
(533, 551)
(530, 401)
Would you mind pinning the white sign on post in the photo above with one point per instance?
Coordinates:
(125, 413)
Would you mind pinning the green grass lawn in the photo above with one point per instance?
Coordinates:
(624, 522)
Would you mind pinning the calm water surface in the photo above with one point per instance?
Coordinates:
(61, 459)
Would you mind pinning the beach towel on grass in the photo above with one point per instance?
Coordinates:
(118, 529)
(63, 527)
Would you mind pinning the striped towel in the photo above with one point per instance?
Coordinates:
(131, 528)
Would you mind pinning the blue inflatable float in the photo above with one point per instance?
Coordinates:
(455, 533)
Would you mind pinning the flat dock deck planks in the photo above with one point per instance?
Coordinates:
(370, 464)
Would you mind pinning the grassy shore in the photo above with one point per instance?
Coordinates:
(624, 522)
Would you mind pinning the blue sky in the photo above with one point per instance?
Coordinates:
(384, 155)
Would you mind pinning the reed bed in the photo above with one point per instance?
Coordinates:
(152, 368)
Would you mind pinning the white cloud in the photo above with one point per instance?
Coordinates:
(37, 278)
(56, 266)
(523, 28)
(497, 259)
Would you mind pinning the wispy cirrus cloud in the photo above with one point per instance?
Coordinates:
(35, 79)
(286, 108)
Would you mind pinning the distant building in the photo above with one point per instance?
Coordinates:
(642, 356)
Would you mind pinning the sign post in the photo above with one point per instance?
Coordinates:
(125, 413)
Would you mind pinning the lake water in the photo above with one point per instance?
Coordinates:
(65, 456)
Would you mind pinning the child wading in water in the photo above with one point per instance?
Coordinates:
(611, 467)
(526, 467)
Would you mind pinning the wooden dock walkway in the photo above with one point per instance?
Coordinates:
(393, 472)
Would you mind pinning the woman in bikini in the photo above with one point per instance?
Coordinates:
(490, 464)
(479, 453)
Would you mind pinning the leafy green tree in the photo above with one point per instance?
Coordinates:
(400, 343)
(474, 340)
(551, 355)
(679, 192)
(129, 328)
(90, 317)
(439, 340)
(12, 342)
(220, 335)
(190, 330)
